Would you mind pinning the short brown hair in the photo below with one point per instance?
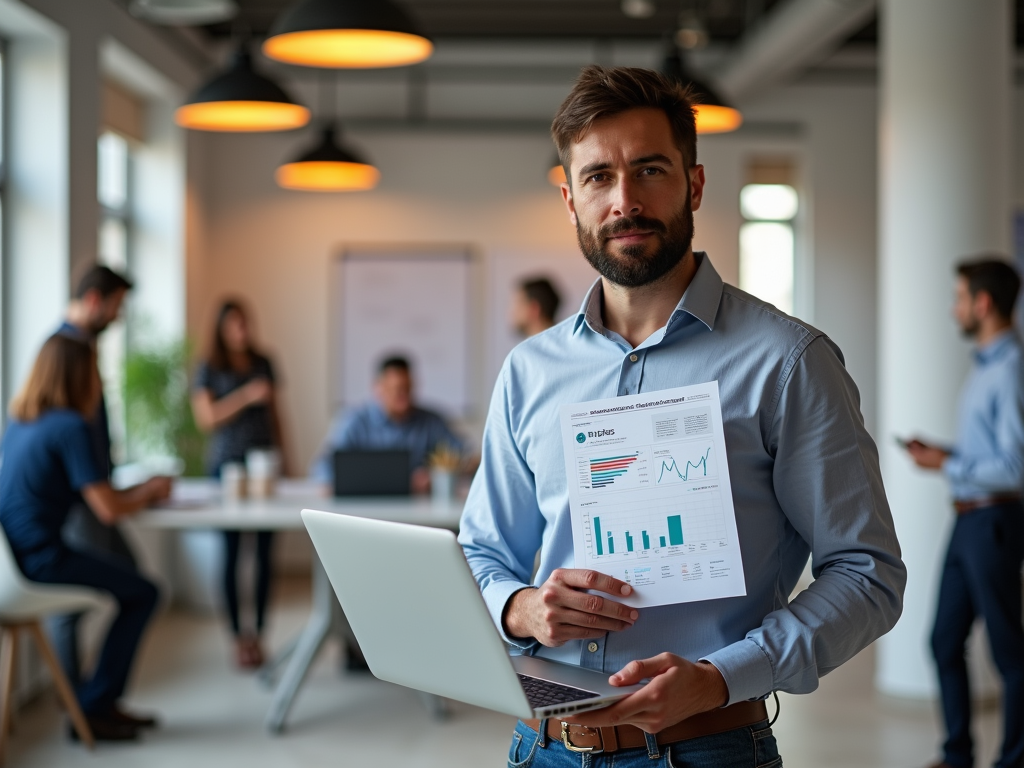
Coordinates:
(104, 280)
(604, 92)
(63, 376)
(996, 277)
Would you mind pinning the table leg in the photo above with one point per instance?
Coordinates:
(265, 676)
(306, 648)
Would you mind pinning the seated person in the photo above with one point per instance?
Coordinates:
(390, 421)
(49, 465)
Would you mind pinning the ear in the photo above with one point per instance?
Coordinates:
(569, 204)
(696, 186)
(983, 305)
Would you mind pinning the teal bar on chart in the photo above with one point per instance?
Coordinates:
(675, 530)
(662, 539)
(647, 539)
(611, 544)
(597, 536)
(629, 542)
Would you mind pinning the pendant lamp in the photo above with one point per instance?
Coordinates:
(714, 114)
(556, 175)
(184, 12)
(328, 167)
(346, 34)
(241, 100)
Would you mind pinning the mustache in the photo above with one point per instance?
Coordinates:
(632, 224)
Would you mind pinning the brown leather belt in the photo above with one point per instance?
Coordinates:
(969, 505)
(579, 738)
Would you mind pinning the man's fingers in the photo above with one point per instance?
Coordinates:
(638, 669)
(595, 604)
(581, 578)
(587, 624)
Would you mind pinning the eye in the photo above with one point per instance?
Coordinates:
(650, 171)
(597, 177)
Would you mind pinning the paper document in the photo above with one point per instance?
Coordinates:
(650, 497)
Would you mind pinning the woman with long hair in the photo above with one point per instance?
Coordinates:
(234, 399)
(49, 465)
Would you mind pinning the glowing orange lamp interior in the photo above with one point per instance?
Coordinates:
(241, 116)
(557, 175)
(348, 48)
(327, 176)
(715, 118)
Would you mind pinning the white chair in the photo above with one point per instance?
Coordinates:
(23, 605)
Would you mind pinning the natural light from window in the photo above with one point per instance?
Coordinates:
(767, 242)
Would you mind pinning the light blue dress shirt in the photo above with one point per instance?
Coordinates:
(988, 456)
(368, 427)
(804, 472)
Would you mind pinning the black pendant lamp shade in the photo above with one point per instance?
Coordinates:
(347, 34)
(714, 114)
(328, 167)
(241, 100)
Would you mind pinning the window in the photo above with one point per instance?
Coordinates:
(3, 198)
(767, 242)
(114, 193)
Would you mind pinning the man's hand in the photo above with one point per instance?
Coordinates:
(559, 610)
(926, 456)
(678, 689)
(158, 488)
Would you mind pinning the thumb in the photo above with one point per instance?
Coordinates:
(637, 670)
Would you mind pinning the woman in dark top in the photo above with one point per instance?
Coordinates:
(49, 465)
(234, 399)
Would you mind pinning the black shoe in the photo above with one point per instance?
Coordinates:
(106, 729)
(133, 719)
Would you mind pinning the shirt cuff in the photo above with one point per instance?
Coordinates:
(496, 596)
(747, 670)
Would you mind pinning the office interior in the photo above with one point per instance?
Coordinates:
(882, 136)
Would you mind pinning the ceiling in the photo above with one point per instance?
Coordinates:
(725, 20)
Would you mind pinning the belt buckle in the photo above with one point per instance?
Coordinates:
(567, 740)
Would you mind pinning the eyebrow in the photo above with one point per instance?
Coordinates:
(602, 166)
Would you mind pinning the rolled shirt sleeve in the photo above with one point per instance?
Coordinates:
(501, 525)
(828, 484)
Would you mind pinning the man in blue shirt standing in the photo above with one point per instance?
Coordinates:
(805, 471)
(391, 420)
(985, 468)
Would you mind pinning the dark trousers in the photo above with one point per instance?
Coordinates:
(982, 577)
(232, 543)
(83, 532)
(136, 599)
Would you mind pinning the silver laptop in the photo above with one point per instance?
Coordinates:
(421, 622)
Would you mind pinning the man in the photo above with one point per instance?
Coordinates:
(805, 471)
(391, 420)
(534, 306)
(96, 304)
(985, 468)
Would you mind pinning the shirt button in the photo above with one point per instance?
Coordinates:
(592, 647)
(632, 358)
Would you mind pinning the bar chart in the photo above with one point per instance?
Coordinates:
(604, 471)
(613, 470)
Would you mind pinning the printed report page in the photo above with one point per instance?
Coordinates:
(650, 496)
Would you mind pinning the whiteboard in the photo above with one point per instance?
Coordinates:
(409, 302)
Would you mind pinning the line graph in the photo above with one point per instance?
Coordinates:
(671, 466)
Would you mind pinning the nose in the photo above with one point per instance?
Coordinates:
(627, 201)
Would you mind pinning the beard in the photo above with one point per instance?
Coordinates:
(634, 267)
(971, 328)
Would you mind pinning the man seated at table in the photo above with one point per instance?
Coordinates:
(391, 420)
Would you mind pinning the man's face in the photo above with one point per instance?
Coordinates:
(394, 393)
(965, 309)
(523, 312)
(631, 198)
(101, 312)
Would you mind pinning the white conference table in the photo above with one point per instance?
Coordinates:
(197, 504)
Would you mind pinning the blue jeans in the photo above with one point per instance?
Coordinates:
(136, 599)
(752, 746)
(981, 577)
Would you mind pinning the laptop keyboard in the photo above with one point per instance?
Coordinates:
(544, 693)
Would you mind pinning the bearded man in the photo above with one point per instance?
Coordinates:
(806, 479)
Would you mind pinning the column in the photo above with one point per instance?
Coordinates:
(945, 158)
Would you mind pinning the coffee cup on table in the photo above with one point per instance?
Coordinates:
(232, 480)
(263, 466)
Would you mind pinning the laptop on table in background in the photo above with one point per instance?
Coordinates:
(421, 622)
(372, 473)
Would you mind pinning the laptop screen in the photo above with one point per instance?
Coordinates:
(372, 473)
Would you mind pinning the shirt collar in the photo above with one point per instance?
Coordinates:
(995, 348)
(700, 300)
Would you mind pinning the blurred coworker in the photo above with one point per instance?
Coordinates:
(48, 460)
(97, 303)
(534, 306)
(235, 399)
(390, 421)
(985, 467)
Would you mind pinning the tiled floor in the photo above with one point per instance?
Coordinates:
(212, 716)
